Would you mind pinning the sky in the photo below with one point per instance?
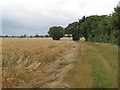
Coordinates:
(19, 17)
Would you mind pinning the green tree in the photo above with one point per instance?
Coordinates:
(116, 23)
(24, 35)
(116, 18)
(56, 32)
(6, 35)
(73, 29)
(31, 36)
(36, 35)
(104, 28)
(41, 36)
(46, 35)
(21, 36)
(89, 27)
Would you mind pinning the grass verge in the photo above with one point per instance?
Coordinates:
(95, 67)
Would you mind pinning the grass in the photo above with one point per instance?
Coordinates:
(99, 74)
(22, 57)
(95, 67)
(109, 52)
(80, 75)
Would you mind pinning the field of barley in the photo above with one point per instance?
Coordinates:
(22, 57)
(44, 63)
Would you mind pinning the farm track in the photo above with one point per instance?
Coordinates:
(52, 75)
(57, 70)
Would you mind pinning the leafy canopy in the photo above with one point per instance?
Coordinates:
(56, 32)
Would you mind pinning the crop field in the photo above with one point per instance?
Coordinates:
(22, 57)
(44, 63)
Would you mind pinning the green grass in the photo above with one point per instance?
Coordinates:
(99, 74)
(92, 55)
(109, 52)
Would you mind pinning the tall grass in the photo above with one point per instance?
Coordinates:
(22, 57)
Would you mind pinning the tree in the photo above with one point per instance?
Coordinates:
(24, 35)
(104, 28)
(73, 29)
(116, 18)
(21, 36)
(56, 32)
(6, 35)
(36, 35)
(31, 36)
(116, 23)
(89, 27)
(46, 35)
(41, 36)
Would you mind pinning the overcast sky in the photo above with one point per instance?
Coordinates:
(37, 16)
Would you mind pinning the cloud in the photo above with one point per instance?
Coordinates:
(36, 16)
(119, 3)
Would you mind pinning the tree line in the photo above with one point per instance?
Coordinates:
(95, 28)
(24, 36)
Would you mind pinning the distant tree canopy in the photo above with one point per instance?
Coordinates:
(56, 32)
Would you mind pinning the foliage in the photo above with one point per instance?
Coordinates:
(36, 35)
(56, 32)
(73, 30)
(23, 36)
(116, 23)
(104, 28)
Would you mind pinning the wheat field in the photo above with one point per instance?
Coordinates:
(23, 56)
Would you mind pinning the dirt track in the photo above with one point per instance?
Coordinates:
(58, 68)
(52, 74)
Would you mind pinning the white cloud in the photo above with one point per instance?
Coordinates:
(119, 4)
(36, 16)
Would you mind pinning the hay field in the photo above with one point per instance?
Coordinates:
(23, 56)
